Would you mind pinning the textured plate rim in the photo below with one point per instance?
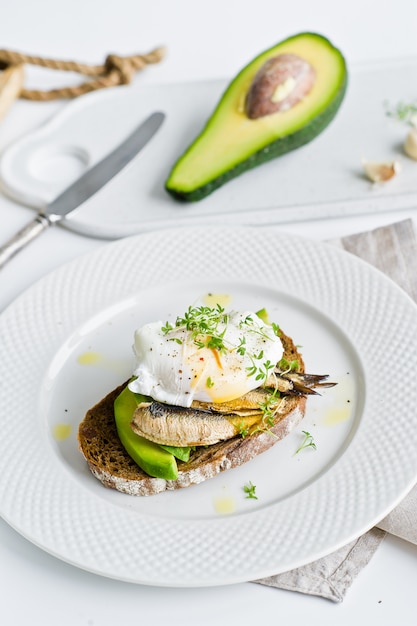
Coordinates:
(26, 511)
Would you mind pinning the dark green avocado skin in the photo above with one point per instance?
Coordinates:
(272, 151)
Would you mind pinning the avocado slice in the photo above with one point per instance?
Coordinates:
(264, 316)
(234, 141)
(148, 455)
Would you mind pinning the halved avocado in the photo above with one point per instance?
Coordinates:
(232, 143)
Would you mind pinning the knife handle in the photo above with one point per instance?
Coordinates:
(23, 237)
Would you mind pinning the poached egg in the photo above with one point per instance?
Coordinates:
(209, 355)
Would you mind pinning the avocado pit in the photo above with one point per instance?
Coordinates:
(230, 143)
(280, 83)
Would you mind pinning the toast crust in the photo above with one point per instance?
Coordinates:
(112, 466)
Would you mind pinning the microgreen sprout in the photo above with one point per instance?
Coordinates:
(203, 323)
(243, 430)
(248, 320)
(403, 112)
(176, 339)
(259, 371)
(308, 442)
(216, 343)
(250, 489)
(209, 383)
(241, 349)
(264, 371)
(288, 366)
(269, 407)
(276, 329)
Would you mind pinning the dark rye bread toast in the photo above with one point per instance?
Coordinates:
(110, 463)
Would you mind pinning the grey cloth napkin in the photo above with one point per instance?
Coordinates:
(393, 250)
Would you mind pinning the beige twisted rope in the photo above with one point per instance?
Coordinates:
(115, 71)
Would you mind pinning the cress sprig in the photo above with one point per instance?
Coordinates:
(201, 322)
(269, 407)
(250, 490)
(308, 442)
(403, 111)
(288, 366)
(204, 322)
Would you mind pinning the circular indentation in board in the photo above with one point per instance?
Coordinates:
(58, 164)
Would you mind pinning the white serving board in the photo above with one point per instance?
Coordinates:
(320, 180)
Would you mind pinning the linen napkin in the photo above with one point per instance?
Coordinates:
(393, 250)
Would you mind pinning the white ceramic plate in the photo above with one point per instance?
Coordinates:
(67, 341)
(322, 179)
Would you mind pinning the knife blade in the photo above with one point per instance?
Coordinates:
(84, 187)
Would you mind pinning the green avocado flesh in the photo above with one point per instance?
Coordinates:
(232, 143)
(152, 458)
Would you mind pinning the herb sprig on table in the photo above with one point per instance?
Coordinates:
(403, 112)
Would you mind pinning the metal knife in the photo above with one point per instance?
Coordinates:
(84, 187)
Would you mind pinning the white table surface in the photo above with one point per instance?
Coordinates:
(204, 41)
